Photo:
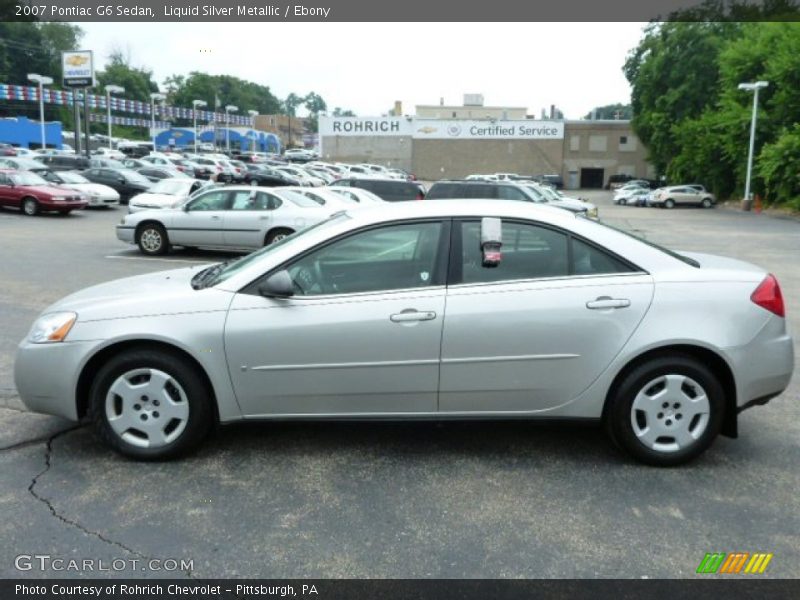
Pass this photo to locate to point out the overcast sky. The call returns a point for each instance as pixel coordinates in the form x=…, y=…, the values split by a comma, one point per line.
x=365, y=67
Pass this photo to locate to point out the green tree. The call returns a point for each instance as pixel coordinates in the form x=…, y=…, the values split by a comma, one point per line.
x=138, y=82
x=779, y=167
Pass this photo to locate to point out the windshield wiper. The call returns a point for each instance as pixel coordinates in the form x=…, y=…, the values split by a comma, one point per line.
x=207, y=275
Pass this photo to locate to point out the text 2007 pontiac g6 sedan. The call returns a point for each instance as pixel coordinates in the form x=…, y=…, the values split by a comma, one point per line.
x=424, y=310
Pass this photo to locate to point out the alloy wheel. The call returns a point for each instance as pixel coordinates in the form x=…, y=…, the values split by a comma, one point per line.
x=151, y=240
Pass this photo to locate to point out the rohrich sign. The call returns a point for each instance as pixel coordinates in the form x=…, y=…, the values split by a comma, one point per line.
x=355, y=126
x=441, y=129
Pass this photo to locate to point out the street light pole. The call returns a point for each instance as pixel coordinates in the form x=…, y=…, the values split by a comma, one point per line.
x=42, y=81
x=253, y=114
x=752, y=87
x=111, y=89
x=196, y=104
x=228, y=110
x=153, y=97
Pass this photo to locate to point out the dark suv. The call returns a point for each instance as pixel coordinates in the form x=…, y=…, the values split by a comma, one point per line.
x=58, y=162
x=391, y=190
x=494, y=190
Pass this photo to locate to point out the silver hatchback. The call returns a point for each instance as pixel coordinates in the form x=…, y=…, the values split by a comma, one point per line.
x=421, y=310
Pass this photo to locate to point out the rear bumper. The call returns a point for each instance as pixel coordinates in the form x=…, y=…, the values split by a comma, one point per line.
x=763, y=368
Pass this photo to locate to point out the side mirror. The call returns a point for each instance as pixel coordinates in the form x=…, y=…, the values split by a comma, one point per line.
x=491, y=241
x=278, y=285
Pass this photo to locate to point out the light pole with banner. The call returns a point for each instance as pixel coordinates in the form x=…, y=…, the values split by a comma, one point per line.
x=751, y=87
x=42, y=81
x=111, y=89
x=153, y=97
x=253, y=114
x=195, y=105
x=228, y=110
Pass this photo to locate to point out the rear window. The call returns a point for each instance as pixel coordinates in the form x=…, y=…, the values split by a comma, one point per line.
x=389, y=190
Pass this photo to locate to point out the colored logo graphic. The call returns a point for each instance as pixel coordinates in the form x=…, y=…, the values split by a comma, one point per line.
x=454, y=130
x=734, y=563
x=427, y=129
x=76, y=60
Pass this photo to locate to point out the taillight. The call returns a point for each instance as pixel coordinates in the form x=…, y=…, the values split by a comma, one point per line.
x=768, y=295
x=420, y=196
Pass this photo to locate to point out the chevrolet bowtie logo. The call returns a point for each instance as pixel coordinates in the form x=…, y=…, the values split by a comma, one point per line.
x=427, y=129
x=76, y=60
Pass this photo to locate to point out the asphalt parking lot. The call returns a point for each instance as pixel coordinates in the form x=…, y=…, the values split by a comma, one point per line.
x=395, y=500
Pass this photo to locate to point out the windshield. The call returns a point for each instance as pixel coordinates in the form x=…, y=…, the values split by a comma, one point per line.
x=68, y=177
x=171, y=187
x=298, y=199
x=133, y=176
x=26, y=163
x=27, y=178
x=224, y=271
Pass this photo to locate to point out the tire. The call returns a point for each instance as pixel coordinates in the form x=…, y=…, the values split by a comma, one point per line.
x=637, y=405
x=669, y=203
x=623, y=201
x=277, y=235
x=162, y=410
x=64, y=212
x=30, y=207
x=707, y=203
x=152, y=239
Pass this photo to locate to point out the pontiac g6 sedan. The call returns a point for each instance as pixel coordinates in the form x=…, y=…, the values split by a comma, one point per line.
x=421, y=310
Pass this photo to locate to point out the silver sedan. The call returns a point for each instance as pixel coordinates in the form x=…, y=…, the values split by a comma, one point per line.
x=236, y=217
x=421, y=310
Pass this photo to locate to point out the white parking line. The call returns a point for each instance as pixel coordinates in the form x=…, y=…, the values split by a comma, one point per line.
x=172, y=260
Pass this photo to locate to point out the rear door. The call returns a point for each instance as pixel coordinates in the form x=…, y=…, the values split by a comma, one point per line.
x=248, y=218
x=537, y=330
x=8, y=194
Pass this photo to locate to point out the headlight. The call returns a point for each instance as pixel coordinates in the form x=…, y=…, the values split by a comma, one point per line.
x=52, y=327
x=592, y=212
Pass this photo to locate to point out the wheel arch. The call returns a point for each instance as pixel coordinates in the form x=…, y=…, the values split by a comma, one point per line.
x=272, y=230
x=711, y=359
x=103, y=355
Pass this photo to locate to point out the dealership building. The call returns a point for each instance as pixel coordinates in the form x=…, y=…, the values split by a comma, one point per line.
x=585, y=153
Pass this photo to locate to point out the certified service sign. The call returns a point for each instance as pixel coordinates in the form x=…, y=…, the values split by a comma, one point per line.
x=78, y=68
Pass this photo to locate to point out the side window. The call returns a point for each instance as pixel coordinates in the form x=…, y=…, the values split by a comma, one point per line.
x=478, y=191
x=388, y=258
x=4, y=179
x=210, y=201
x=588, y=260
x=244, y=200
x=529, y=252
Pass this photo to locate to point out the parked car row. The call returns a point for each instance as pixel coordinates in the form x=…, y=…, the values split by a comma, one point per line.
x=638, y=193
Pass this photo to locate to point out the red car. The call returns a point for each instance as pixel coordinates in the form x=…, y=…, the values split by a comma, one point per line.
x=31, y=194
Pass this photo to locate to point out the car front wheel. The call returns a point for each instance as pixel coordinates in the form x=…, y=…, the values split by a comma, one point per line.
x=30, y=207
x=666, y=411
x=150, y=404
x=153, y=239
x=669, y=203
x=707, y=203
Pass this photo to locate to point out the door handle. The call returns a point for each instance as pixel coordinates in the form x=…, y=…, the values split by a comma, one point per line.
x=604, y=302
x=413, y=315
x=215, y=217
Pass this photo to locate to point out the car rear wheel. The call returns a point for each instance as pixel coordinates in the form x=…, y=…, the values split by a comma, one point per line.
x=623, y=201
x=707, y=203
x=669, y=203
x=30, y=207
x=666, y=411
x=276, y=235
x=64, y=212
x=150, y=404
x=153, y=239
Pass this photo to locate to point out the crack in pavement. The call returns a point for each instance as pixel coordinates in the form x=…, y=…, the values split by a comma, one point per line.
x=32, y=490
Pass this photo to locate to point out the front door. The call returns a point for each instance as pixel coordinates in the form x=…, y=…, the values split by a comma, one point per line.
x=361, y=335
x=537, y=330
x=202, y=223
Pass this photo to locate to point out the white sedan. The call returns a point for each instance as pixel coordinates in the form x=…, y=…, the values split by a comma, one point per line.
x=96, y=194
x=167, y=193
x=326, y=197
x=237, y=217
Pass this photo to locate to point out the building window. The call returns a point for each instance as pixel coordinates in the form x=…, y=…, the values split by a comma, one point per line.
x=454, y=114
x=598, y=143
x=623, y=139
x=575, y=143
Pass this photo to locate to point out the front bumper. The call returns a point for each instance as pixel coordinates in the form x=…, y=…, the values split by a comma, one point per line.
x=46, y=376
x=126, y=233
